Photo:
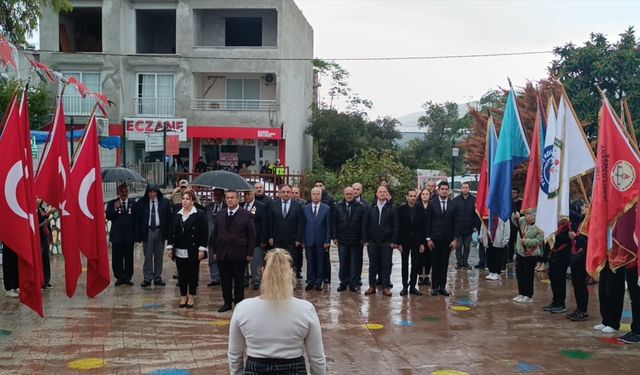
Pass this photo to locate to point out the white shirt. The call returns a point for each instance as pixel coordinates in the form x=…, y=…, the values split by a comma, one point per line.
x=258, y=328
x=184, y=253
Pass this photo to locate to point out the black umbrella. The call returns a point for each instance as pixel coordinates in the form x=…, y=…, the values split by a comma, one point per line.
x=121, y=174
x=222, y=180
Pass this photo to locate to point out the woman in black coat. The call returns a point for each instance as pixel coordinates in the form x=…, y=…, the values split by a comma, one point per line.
x=187, y=246
x=425, y=269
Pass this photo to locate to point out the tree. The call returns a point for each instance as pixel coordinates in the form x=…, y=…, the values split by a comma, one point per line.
x=41, y=101
x=369, y=165
x=443, y=127
x=614, y=67
x=18, y=18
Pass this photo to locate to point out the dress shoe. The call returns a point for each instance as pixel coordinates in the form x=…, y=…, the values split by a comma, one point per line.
x=117, y=283
x=444, y=292
x=256, y=286
x=415, y=291
x=182, y=305
x=434, y=292
x=420, y=280
x=354, y=289
x=309, y=287
x=128, y=282
x=145, y=284
x=213, y=283
x=319, y=288
x=342, y=288
x=386, y=292
x=549, y=307
x=370, y=291
x=427, y=281
x=298, y=275
x=159, y=282
x=224, y=308
x=404, y=292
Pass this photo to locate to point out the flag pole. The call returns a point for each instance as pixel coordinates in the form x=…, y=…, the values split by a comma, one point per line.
x=84, y=134
x=629, y=123
x=583, y=190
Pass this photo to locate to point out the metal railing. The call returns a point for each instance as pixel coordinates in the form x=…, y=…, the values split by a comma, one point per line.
x=233, y=105
x=77, y=106
x=154, y=107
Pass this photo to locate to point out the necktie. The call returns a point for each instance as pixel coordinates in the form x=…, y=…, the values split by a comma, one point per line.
x=444, y=207
x=216, y=208
x=284, y=209
x=153, y=214
x=315, y=211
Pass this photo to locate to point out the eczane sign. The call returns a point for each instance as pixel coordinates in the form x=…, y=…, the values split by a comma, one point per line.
x=138, y=128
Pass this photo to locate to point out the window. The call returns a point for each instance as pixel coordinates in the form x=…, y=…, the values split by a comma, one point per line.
x=243, y=32
x=156, y=94
x=155, y=31
x=74, y=104
x=243, y=93
x=81, y=30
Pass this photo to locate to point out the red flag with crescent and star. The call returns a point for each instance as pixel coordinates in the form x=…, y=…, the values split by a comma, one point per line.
x=19, y=230
x=51, y=185
x=87, y=203
x=615, y=187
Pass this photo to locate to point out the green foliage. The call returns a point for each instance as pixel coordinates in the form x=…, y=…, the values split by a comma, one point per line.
x=41, y=101
x=338, y=136
x=18, y=18
x=369, y=165
x=614, y=67
x=319, y=172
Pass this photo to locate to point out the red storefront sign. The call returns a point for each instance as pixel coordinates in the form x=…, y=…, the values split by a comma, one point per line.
x=173, y=145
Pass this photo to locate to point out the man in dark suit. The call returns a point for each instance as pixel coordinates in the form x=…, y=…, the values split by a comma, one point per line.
x=261, y=196
x=259, y=212
x=357, y=193
x=442, y=237
x=468, y=222
x=121, y=212
x=411, y=241
x=153, y=212
x=232, y=244
x=317, y=238
x=380, y=235
x=212, y=210
x=346, y=231
x=286, y=226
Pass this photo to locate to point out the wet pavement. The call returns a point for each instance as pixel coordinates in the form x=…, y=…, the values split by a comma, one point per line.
x=477, y=330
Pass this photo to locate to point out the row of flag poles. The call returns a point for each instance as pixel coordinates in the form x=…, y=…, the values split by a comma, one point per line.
x=74, y=188
x=558, y=154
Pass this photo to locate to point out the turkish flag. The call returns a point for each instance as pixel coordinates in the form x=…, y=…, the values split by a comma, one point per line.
x=87, y=204
x=51, y=185
x=19, y=230
x=7, y=53
x=615, y=187
x=534, y=169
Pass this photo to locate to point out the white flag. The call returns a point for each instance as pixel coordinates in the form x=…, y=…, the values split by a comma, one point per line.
x=547, y=211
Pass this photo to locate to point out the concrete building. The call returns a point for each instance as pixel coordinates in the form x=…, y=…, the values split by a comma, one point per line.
x=232, y=79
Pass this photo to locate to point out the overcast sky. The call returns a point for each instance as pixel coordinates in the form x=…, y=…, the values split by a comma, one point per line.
x=377, y=28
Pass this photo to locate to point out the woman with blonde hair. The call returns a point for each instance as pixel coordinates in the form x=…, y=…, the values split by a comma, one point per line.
x=275, y=328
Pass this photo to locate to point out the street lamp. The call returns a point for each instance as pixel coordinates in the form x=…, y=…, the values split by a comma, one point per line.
x=455, y=151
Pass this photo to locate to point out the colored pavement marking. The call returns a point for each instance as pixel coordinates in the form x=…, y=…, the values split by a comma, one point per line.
x=465, y=302
x=575, y=354
x=546, y=281
x=86, y=364
x=431, y=318
x=406, y=323
x=449, y=372
x=528, y=367
x=4, y=332
x=612, y=341
x=627, y=315
x=220, y=323
x=152, y=306
x=169, y=371
x=625, y=327
x=372, y=326
x=460, y=308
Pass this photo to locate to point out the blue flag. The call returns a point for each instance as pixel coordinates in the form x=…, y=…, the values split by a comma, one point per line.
x=512, y=151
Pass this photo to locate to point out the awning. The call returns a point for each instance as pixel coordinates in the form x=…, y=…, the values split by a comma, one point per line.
x=226, y=132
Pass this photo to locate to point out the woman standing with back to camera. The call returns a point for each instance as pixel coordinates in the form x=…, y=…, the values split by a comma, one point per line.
x=275, y=345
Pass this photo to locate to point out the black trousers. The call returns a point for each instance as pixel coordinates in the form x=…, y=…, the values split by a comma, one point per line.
x=188, y=275
x=440, y=264
x=327, y=267
x=412, y=250
x=634, y=293
x=122, y=260
x=298, y=258
x=426, y=262
x=558, y=278
x=482, y=255
x=350, y=264
x=611, y=296
x=579, y=282
x=525, y=272
x=232, y=280
x=495, y=258
x=380, y=254
x=10, y=269
x=46, y=261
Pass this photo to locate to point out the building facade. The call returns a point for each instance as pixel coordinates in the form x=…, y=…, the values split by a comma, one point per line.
x=230, y=81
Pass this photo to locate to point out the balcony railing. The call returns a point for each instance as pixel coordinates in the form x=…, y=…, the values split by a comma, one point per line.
x=233, y=105
x=77, y=106
x=155, y=107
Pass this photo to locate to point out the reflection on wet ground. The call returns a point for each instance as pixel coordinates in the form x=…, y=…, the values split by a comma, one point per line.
x=477, y=330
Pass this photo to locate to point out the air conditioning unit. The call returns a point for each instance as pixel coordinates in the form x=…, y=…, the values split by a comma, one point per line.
x=103, y=126
x=270, y=78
